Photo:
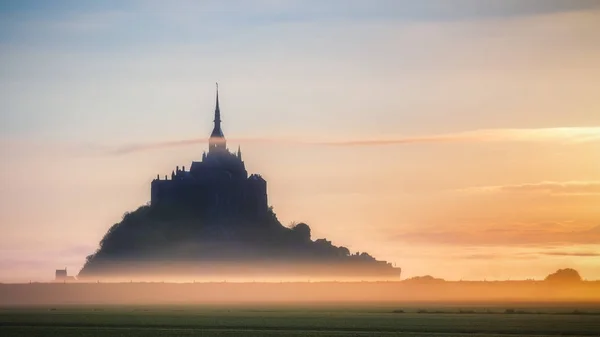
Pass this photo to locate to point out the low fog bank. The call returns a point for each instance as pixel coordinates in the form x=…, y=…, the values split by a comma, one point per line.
x=296, y=292
x=238, y=270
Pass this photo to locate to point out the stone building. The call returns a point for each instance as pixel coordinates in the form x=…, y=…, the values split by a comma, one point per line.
x=218, y=185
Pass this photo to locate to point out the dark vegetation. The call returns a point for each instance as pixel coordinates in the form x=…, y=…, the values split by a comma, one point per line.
x=157, y=235
x=562, y=276
x=427, y=279
x=291, y=321
x=499, y=312
x=566, y=275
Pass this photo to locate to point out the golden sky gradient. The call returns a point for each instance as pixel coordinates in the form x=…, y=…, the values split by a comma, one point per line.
x=462, y=146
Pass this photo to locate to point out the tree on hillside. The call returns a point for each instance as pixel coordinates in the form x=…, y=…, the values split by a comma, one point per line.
x=564, y=275
x=424, y=279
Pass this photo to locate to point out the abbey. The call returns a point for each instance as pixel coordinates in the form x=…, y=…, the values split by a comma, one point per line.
x=217, y=186
x=213, y=220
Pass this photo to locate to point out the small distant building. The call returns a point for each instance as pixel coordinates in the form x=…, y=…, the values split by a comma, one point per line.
x=61, y=276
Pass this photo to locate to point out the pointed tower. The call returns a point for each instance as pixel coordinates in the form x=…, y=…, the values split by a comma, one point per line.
x=216, y=141
x=239, y=153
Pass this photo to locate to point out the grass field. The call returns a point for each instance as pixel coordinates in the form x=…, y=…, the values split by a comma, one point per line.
x=388, y=320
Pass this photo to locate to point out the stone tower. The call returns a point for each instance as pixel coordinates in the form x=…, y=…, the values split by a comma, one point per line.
x=218, y=185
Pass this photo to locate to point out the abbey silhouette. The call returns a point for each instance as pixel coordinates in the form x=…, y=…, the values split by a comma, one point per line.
x=214, y=219
x=217, y=186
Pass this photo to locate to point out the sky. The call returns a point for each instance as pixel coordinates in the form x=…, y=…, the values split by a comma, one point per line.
x=459, y=139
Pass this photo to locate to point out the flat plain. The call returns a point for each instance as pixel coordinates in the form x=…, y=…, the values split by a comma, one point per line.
x=303, y=320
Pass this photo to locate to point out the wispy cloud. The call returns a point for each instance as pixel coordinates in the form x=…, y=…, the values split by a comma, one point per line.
x=27, y=264
x=139, y=147
x=529, y=255
x=567, y=135
x=496, y=256
x=561, y=135
x=565, y=188
x=577, y=254
x=510, y=236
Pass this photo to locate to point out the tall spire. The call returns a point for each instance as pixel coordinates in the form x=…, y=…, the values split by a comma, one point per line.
x=217, y=139
x=217, y=110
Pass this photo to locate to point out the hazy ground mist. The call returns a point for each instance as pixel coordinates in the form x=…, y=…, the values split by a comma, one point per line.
x=295, y=292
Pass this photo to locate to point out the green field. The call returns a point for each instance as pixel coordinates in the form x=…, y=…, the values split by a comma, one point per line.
x=408, y=320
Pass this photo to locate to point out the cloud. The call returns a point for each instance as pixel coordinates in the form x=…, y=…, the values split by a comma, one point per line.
x=483, y=256
x=510, y=236
x=578, y=254
x=569, y=135
x=261, y=11
x=523, y=255
x=566, y=188
x=154, y=146
x=22, y=265
x=560, y=135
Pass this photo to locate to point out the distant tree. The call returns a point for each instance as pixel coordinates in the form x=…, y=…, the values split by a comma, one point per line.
x=564, y=275
x=366, y=257
x=424, y=279
x=344, y=251
x=302, y=230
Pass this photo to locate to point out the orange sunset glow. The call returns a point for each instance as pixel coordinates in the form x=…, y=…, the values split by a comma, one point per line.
x=459, y=144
